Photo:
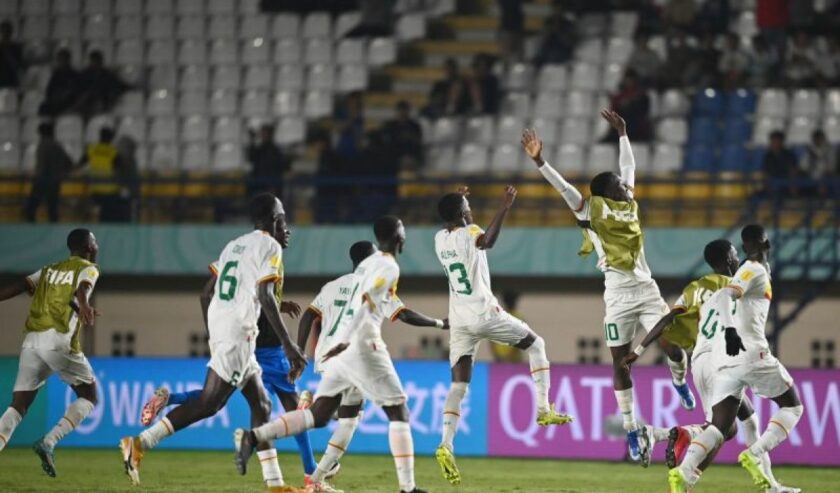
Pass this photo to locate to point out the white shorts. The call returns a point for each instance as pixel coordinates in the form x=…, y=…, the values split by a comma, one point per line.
x=364, y=369
x=503, y=328
x=627, y=309
x=704, y=373
x=234, y=362
x=36, y=365
x=766, y=377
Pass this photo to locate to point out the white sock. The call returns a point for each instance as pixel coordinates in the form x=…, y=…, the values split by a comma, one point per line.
x=76, y=412
x=540, y=372
x=287, y=425
x=660, y=434
x=678, y=369
x=402, y=448
x=625, y=405
x=693, y=430
x=452, y=413
x=336, y=447
x=700, y=447
x=750, y=429
x=152, y=435
x=8, y=422
x=270, y=467
x=777, y=430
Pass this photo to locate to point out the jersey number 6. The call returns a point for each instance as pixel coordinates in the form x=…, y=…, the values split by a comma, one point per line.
x=228, y=276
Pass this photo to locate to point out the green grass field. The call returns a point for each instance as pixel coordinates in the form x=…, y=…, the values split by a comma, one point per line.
x=182, y=472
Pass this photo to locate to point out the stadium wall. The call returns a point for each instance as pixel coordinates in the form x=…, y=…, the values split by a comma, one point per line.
x=497, y=416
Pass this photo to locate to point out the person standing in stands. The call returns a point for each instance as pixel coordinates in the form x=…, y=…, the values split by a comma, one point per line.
x=11, y=57
x=268, y=163
x=62, y=88
x=102, y=159
x=99, y=87
x=779, y=166
x=51, y=165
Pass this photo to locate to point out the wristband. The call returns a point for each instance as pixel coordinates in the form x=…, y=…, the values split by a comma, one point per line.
x=439, y=323
x=639, y=350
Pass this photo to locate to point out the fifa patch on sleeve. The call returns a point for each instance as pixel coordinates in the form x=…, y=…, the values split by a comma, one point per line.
x=379, y=283
x=275, y=261
x=474, y=231
x=747, y=275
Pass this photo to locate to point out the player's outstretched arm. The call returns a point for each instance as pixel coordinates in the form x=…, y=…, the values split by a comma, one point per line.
x=417, y=319
x=488, y=239
x=271, y=309
x=307, y=321
x=626, y=161
x=653, y=335
x=11, y=290
x=533, y=147
x=205, y=299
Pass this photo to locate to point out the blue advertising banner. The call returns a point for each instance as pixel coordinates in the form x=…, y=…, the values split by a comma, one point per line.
x=126, y=384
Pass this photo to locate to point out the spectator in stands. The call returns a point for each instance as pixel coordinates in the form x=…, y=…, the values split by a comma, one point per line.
x=268, y=163
x=11, y=57
x=377, y=19
x=511, y=27
x=779, y=165
x=332, y=196
x=801, y=61
x=830, y=62
x=379, y=161
x=703, y=69
x=713, y=17
x=99, y=87
x=448, y=96
x=405, y=136
x=483, y=87
x=733, y=62
x=771, y=16
x=502, y=353
x=819, y=161
x=681, y=56
x=678, y=15
x=128, y=176
x=801, y=14
x=765, y=63
x=101, y=156
x=558, y=41
x=350, y=126
x=62, y=88
x=633, y=103
x=51, y=166
x=645, y=61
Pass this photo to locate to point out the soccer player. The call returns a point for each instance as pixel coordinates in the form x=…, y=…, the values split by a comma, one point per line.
x=330, y=314
x=611, y=227
x=270, y=356
x=739, y=357
x=60, y=307
x=246, y=286
x=475, y=315
x=359, y=360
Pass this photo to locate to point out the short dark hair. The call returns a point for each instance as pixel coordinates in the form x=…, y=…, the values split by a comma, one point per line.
x=78, y=239
x=403, y=105
x=106, y=134
x=386, y=227
x=752, y=232
x=716, y=251
x=450, y=206
x=598, y=185
x=46, y=129
x=360, y=251
x=777, y=134
x=96, y=55
x=262, y=207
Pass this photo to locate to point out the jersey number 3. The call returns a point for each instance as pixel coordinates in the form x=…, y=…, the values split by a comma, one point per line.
x=459, y=269
x=227, y=281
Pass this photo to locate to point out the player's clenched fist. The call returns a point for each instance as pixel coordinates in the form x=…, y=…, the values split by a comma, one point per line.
x=510, y=196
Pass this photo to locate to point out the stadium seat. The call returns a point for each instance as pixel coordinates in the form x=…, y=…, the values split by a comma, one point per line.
x=806, y=102
x=286, y=103
x=353, y=77
x=29, y=130
x=227, y=157
x=131, y=7
x=473, y=159
x=443, y=159
x=222, y=27
x=224, y=102
x=130, y=52
x=832, y=102
x=552, y=78
x=317, y=104
x=9, y=9
x=192, y=103
x=317, y=25
x=163, y=77
x=253, y=26
x=258, y=77
x=350, y=51
x=569, y=158
x=831, y=127
x=225, y=77
x=223, y=52
x=10, y=158
x=255, y=104
x=507, y=158
x=611, y=77
x=382, y=51
x=97, y=26
x=134, y=127
x=672, y=131
x=763, y=127
x=97, y=123
x=318, y=51
x=161, y=102
x=285, y=26
x=619, y=50
x=623, y=24
x=446, y=130
x=667, y=158
x=160, y=27
x=68, y=128
x=709, y=103
x=161, y=53
x=227, y=130
x=195, y=128
x=600, y=128
x=221, y=7
x=572, y=132
x=585, y=77
x=163, y=157
x=704, y=131
x=516, y=104
x=190, y=51
x=734, y=158
x=345, y=23
x=8, y=102
x=673, y=103
x=479, y=129
x=9, y=129
x=129, y=27
x=163, y=129
x=590, y=50
x=578, y=104
x=737, y=131
x=192, y=27
x=190, y=7
x=256, y=51
x=131, y=103
x=740, y=102
x=509, y=130
x=195, y=157
x=800, y=129
x=519, y=77
x=291, y=130
x=29, y=156
x=602, y=157
x=641, y=154
x=320, y=77
x=700, y=158
x=772, y=103
x=97, y=7
x=547, y=129
x=160, y=8
x=35, y=27
x=289, y=77
x=746, y=25
x=29, y=102
x=548, y=105
x=411, y=26
x=35, y=7
x=194, y=78
x=287, y=51
x=65, y=7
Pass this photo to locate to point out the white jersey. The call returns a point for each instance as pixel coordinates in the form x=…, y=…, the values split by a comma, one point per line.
x=245, y=263
x=377, y=277
x=471, y=298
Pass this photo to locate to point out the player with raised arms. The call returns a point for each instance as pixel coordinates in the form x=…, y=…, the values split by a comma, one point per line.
x=329, y=315
x=611, y=227
x=476, y=315
x=733, y=354
x=246, y=286
x=60, y=307
x=359, y=360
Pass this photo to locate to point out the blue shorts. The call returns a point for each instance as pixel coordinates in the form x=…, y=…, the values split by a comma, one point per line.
x=275, y=370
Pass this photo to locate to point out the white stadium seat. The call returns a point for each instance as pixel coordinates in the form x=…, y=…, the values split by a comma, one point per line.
x=221, y=7
x=129, y=7
x=572, y=132
x=68, y=128
x=192, y=27
x=317, y=104
x=763, y=127
x=190, y=7
x=382, y=51
x=411, y=26
x=160, y=27
x=256, y=51
x=600, y=128
x=29, y=130
x=287, y=51
x=517, y=104
x=227, y=130
x=222, y=27
x=255, y=103
x=8, y=102
x=672, y=131
x=772, y=103
x=258, y=77
x=286, y=103
x=65, y=7
x=579, y=104
x=667, y=158
x=345, y=23
x=192, y=103
x=473, y=159
x=29, y=102
x=805, y=102
x=291, y=130
x=253, y=26
x=832, y=102
x=570, y=158
x=97, y=6
x=446, y=130
x=35, y=27
x=443, y=159
x=35, y=7
x=585, y=77
x=224, y=103
x=163, y=77
x=673, y=103
x=548, y=130
x=9, y=9
x=29, y=157
x=195, y=128
x=161, y=102
x=225, y=77
x=611, y=78
x=352, y=78
x=97, y=123
x=129, y=27
x=590, y=50
x=641, y=154
x=194, y=78
x=318, y=51
x=10, y=158
x=320, y=77
x=509, y=130
x=285, y=26
x=520, y=77
x=195, y=156
x=163, y=129
x=548, y=105
x=163, y=157
x=479, y=129
x=134, y=127
x=800, y=129
x=506, y=158
x=552, y=78
x=623, y=24
x=160, y=8
x=131, y=103
x=9, y=128
x=831, y=127
x=97, y=26
x=602, y=157
x=619, y=50
x=223, y=52
x=317, y=25
x=160, y=52
x=350, y=51
x=289, y=77
x=227, y=157
x=190, y=51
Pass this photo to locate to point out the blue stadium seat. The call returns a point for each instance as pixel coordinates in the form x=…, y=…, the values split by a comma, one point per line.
x=740, y=103
x=735, y=158
x=704, y=132
x=708, y=102
x=755, y=159
x=736, y=131
x=700, y=158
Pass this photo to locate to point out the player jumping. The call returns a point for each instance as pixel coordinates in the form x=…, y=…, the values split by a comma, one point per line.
x=733, y=354
x=475, y=315
x=611, y=227
x=329, y=315
x=60, y=307
x=359, y=361
x=246, y=286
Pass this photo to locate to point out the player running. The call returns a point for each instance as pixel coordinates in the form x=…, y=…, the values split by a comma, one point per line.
x=246, y=286
x=329, y=315
x=270, y=356
x=359, y=360
x=475, y=315
x=60, y=307
x=732, y=352
x=611, y=227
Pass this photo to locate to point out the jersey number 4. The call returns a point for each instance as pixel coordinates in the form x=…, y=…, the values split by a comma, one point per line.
x=459, y=269
x=227, y=281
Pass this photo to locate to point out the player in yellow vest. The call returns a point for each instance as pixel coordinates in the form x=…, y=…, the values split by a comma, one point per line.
x=102, y=159
x=60, y=306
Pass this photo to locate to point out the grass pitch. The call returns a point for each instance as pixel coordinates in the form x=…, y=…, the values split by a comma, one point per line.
x=184, y=472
